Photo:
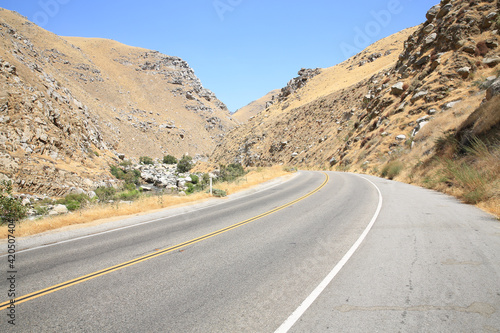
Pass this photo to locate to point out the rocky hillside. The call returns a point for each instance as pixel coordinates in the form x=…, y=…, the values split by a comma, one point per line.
x=373, y=107
x=69, y=107
x=252, y=109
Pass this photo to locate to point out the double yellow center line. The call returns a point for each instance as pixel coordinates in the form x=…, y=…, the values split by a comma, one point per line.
x=105, y=271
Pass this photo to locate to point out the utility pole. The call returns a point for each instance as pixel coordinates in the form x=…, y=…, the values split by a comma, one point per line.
x=210, y=185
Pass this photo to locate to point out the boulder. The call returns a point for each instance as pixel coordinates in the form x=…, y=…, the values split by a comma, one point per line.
x=491, y=61
x=397, y=89
x=58, y=210
x=76, y=190
x=489, y=81
x=435, y=63
x=493, y=90
x=401, y=107
x=148, y=177
x=419, y=95
x=471, y=49
x=368, y=97
x=422, y=61
x=464, y=72
x=146, y=188
x=432, y=13
x=401, y=137
x=430, y=38
x=422, y=119
x=428, y=29
x=450, y=105
x=181, y=183
x=444, y=11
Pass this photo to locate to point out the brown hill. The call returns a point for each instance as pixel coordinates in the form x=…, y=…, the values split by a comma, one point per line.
x=396, y=102
x=252, y=109
x=296, y=121
x=70, y=106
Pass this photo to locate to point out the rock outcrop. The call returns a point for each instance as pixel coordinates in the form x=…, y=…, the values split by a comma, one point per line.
x=305, y=74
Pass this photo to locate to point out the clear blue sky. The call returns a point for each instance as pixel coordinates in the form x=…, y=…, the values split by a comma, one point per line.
x=240, y=49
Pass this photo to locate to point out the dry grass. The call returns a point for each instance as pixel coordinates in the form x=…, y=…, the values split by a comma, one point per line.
x=466, y=161
x=252, y=109
x=107, y=213
x=254, y=177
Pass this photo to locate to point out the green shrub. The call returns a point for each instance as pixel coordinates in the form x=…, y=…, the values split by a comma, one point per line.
x=117, y=172
x=219, y=193
x=146, y=160
x=129, y=187
x=105, y=193
x=41, y=210
x=191, y=188
x=126, y=163
x=129, y=195
x=185, y=164
x=74, y=201
x=129, y=176
x=169, y=159
x=392, y=169
x=73, y=205
x=231, y=172
x=195, y=179
x=203, y=182
x=11, y=209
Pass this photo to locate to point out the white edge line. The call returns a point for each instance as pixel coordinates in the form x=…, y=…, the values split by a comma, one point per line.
x=295, y=316
x=141, y=223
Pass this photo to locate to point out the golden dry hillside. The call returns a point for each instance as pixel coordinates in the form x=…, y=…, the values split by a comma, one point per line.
x=255, y=107
x=400, y=109
x=309, y=107
x=69, y=107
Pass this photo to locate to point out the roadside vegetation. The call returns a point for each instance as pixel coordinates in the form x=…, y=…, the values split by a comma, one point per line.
x=11, y=209
x=111, y=204
x=465, y=161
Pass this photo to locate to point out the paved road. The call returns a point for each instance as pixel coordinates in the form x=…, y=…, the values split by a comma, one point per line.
x=428, y=264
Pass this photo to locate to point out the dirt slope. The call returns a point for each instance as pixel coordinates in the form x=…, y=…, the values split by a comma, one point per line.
x=242, y=115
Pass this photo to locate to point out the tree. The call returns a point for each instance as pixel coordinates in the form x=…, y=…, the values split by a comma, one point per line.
x=231, y=172
x=185, y=164
x=169, y=159
x=146, y=160
x=11, y=209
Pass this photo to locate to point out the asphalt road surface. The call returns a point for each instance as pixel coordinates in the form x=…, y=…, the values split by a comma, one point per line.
x=322, y=252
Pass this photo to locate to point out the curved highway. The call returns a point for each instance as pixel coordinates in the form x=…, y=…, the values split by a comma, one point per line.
x=322, y=252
